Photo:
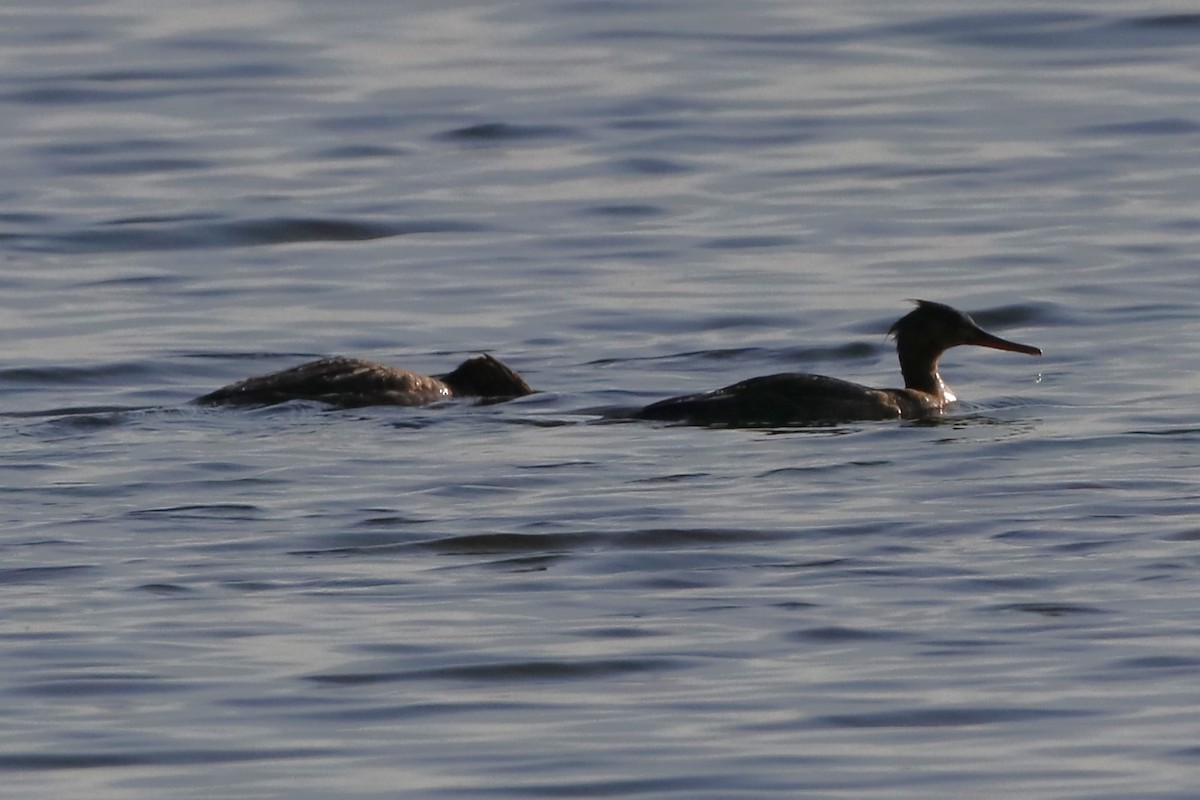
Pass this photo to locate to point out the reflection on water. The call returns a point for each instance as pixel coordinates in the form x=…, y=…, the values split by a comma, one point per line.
x=539, y=598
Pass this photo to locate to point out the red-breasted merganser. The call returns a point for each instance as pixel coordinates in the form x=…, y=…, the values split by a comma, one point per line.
x=792, y=397
x=353, y=383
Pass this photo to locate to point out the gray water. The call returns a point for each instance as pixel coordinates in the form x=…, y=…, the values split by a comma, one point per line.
x=624, y=201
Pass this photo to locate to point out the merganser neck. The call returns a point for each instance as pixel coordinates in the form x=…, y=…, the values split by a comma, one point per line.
x=919, y=366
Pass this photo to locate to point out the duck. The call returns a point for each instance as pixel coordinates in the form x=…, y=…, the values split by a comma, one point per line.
x=921, y=337
x=344, y=382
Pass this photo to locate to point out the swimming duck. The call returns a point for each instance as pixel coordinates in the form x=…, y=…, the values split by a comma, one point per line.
x=792, y=397
x=353, y=383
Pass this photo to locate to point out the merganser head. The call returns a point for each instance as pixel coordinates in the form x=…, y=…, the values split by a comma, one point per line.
x=932, y=328
x=487, y=377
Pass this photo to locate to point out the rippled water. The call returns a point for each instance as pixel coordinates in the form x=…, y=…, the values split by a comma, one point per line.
x=624, y=201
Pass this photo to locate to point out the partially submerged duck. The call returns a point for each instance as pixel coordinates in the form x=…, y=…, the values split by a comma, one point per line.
x=353, y=383
x=792, y=397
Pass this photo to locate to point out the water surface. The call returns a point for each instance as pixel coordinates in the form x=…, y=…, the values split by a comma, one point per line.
x=624, y=201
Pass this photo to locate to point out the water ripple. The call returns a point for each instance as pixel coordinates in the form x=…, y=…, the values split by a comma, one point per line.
x=946, y=717
x=144, y=234
x=538, y=671
x=176, y=756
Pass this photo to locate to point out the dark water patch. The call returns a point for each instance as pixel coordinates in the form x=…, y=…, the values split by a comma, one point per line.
x=851, y=351
x=922, y=172
x=158, y=281
x=24, y=219
x=600, y=7
x=1157, y=664
x=993, y=22
x=650, y=166
x=1050, y=609
x=1181, y=224
x=392, y=521
x=676, y=538
x=104, y=147
x=678, y=477
x=1084, y=547
x=33, y=575
x=718, y=354
x=141, y=236
x=361, y=151
x=159, y=219
x=953, y=647
x=412, y=711
x=1189, y=23
x=601, y=249
x=70, y=95
x=65, y=760
x=748, y=138
x=360, y=544
x=750, y=242
x=1016, y=258
x=717, y=322
x=846, y=565
x=52, y=637
x=1048, y=34
x=677, y=108
x=503, y=132
x=110, y=86
x=507, y=672
x=546, y=422
x=254, y=586
x=1042, y=32
x=543, y=548
x=69, y=422
x=493, y=543
x=982, y=585
x=785, y=39
x=136, y=166
x=1015, y=315
x=618, y=632
x=648, y=124
x=692, y=784
x=1165, y=126
x=555, y=465
x=802, y=605
x=243, y=40
x=293, y=230
x=163, y=589
x=208, y=72
x=946, y=717
x=238, y=355
x=833, y=634
x=808, y=471
x=596, y=247
x=1149, y=249
x=240, y=512
x=522, y=563
x=361, y=123
x=76, y=376
x=630, y=210
x=886, y=171
x=104, y=685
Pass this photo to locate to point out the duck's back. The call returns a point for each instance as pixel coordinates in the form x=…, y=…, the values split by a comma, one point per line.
x=342, y=382
x=783, y=399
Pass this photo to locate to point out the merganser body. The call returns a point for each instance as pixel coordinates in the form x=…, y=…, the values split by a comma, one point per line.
x=353, y=383
x=922, y=336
